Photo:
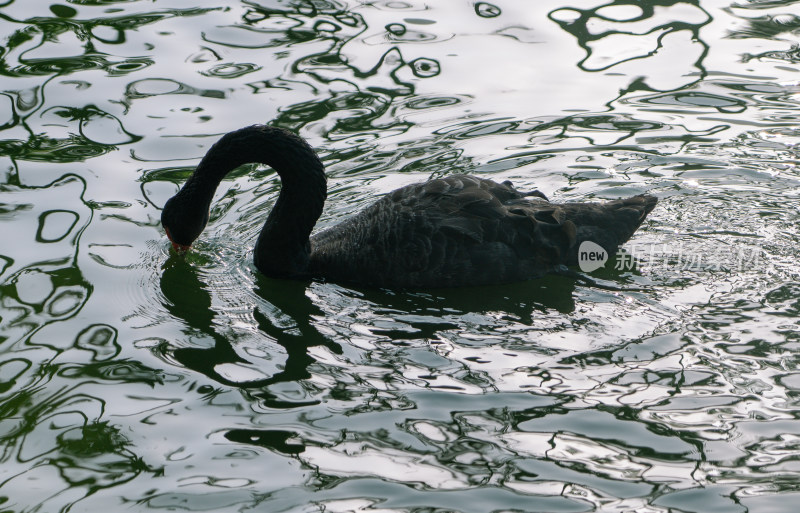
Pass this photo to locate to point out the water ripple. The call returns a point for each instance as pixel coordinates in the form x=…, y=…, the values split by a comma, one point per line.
x=130, y=374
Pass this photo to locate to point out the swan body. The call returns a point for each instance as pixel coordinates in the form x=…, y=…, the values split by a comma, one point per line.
x=448, y=232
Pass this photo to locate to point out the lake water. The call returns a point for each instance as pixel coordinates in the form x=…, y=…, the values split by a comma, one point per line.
x=133, y=380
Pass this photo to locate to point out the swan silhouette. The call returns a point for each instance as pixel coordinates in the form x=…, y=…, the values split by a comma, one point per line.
x=448, y=232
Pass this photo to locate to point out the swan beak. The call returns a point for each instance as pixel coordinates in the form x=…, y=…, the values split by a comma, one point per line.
x=180, y=249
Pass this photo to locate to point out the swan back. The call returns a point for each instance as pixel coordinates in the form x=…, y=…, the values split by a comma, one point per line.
x=464, y=230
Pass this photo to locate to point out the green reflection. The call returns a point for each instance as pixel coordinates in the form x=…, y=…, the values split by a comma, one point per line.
x=42, y=148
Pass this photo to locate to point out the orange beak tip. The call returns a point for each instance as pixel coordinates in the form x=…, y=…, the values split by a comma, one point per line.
x=180, y=249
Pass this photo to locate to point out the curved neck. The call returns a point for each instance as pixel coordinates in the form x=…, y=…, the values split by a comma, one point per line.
x=282, y=248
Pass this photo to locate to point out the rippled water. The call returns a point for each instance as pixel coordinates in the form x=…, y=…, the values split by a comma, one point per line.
x=135, y=381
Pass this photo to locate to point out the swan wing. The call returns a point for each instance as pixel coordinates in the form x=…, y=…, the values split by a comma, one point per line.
x=453, y=231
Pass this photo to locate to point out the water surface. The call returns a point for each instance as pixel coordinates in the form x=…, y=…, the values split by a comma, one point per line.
x=132, y=380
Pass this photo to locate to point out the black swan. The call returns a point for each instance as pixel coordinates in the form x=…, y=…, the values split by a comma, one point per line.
x=448, y=232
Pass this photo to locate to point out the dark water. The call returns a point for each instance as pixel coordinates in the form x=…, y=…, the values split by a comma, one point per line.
x=135, y=381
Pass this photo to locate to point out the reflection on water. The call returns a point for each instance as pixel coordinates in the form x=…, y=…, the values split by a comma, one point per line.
x=130, y=377
x=189, y=300
x=621, y=34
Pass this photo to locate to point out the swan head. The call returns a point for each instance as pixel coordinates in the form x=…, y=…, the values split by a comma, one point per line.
x=181, y=225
